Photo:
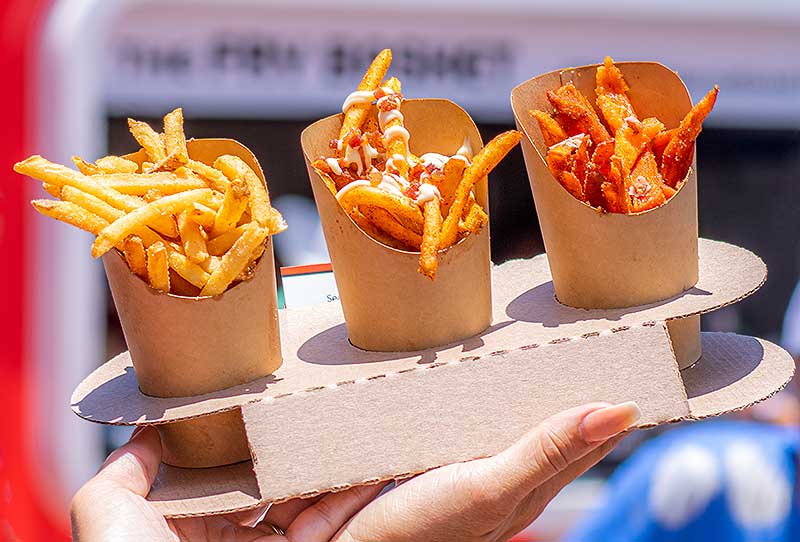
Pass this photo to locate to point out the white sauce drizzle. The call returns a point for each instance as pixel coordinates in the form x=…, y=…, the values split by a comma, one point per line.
x=357, y=97
x=352, y=156
x=465, y=150
x=438, y=160
x=349, y=186
x=427, y=192
x=333, y=163
x=393, y=183
x=370, y=153
x=385, y=117
x=396, y=131
x=574, y=141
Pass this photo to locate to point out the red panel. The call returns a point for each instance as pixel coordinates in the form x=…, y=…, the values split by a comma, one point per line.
x=22, y=515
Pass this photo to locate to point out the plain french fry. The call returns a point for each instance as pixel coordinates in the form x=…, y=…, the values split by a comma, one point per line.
x=235, y=260
x=180, y=286
x=174, y=138
x=192, y=238
x=387, y=223
x=679, y=152
x=214, y=177
x=116, y=164
x=149, y=139
x=552, y=132
x=85, y=167
x=139, y=184
x=482, y=164
x=222, y=243
x=429, y=248
x=52, y=189
x=158, y=267
x=258, y=202
x=234, y=204
x=91, y=203
x=211, y=264
x=145, y=216
x=203, y=215
x=356, y=114
x=134, y=252
x=70, y=213
x=404, y=209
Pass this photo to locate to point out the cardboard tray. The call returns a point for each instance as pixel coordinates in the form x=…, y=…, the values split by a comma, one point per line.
x=477, y=396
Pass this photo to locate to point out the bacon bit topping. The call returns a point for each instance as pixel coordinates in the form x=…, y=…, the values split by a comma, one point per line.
x=334, y=144
x=412, y=191
x=379, y=93
x=354, y=141
x=430, y=168
x=416, y=172
x=389, y=102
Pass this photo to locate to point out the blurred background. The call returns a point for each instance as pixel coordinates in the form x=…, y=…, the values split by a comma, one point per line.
x=260, y=72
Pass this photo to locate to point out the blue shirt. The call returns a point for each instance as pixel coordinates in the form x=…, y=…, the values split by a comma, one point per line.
x=729, y=481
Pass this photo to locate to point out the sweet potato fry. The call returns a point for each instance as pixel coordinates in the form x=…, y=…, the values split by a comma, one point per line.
x=569, y=181
x=432, y=230
x=660, y=142
x=643, y=185
x=612, y=95
x=356, y=114
x=149, y=139
x=192, y=238
x=632, y=139
x=679, y=152
x=233, y=206
x=573, y=105
x=235, y=260
x=580, y=162
x=601, y=158
x=134, y=252
x=144, y=216
x=561, y=156
x=484, y=162
x=157, y=267
x=552, y=132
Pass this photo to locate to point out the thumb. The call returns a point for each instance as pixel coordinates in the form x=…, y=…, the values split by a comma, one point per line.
x=558, y=442
x=133, y=467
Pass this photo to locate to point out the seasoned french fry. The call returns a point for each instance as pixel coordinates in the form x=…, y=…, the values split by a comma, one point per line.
x=660, y=142
x=572, y=105
x=644, y=185
x=452, y=173
x=258, y=202
x=134, y=252
x=679, y=152
x=139, y=184
x=552, y=132
x=70, y=213
x=192, y=239
x=234, y=204
x=476, y=219
x=149, y=139
x=145, y=216
x=116, y=164
x=612, y=95
x=157, y=267
x=203, y=215
x=482, y=164
x=387, y=223
x=355, y=115
x=235, y=260
x=429, y=248
x=632, y=139
x=85, y=167
x=378, y=234
x=174, y=138
x=214, y=177
x=396, y=134
x=404, y=209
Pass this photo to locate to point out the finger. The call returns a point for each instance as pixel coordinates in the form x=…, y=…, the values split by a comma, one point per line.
x=535, y=503
x=220, y=528
x=321, y=521
x=285, y=513
x=247, y=518
x=133, y=466
x=557, y=443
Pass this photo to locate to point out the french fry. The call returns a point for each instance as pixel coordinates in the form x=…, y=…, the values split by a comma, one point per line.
x=234, y=204
x=429, y=248
x=573, y=185
x=378, y=234
x=85, y=167
x=220, y=244
x=258, y=202
x=356, y=114
x=203, y=215
x=632, y=139
x=145, y=216
x=134, y=252
x=485, y=161
x=552, y=132
x=214, y=177
x=452, y=173
x=679, y=152
x=116, y=164
x=612, y=95
x=404, y=209
x=149, y=139
x=174, y=138
x=91, y=203
x=52, y=189
x=397, y=142
x=157, y=267
x=192, y=238
x=660, y=142
x=180, y=286
x=573, y=105
x=387, y=223
x=70, y=213
x=211, y=264
x=644, y=185
x=476, y=219
x=235, y=260
x=139, y=184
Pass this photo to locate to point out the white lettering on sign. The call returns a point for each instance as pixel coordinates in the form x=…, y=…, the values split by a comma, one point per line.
x=308, y=285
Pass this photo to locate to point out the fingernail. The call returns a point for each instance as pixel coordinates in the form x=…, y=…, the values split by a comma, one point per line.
x=600, y=425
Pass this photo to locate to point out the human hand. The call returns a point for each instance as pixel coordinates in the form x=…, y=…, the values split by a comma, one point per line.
x=490, y=500
x=112, y=507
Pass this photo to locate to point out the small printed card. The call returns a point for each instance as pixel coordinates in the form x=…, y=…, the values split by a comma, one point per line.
x=308, y=285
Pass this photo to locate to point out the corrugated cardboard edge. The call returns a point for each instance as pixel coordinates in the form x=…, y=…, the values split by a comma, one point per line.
x=720, y=255
x=591, y=253
x=388, y=305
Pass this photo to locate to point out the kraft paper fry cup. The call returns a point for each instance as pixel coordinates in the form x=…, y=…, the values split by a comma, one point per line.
x=186, y=346
x=387, y=304
x=609, y=260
